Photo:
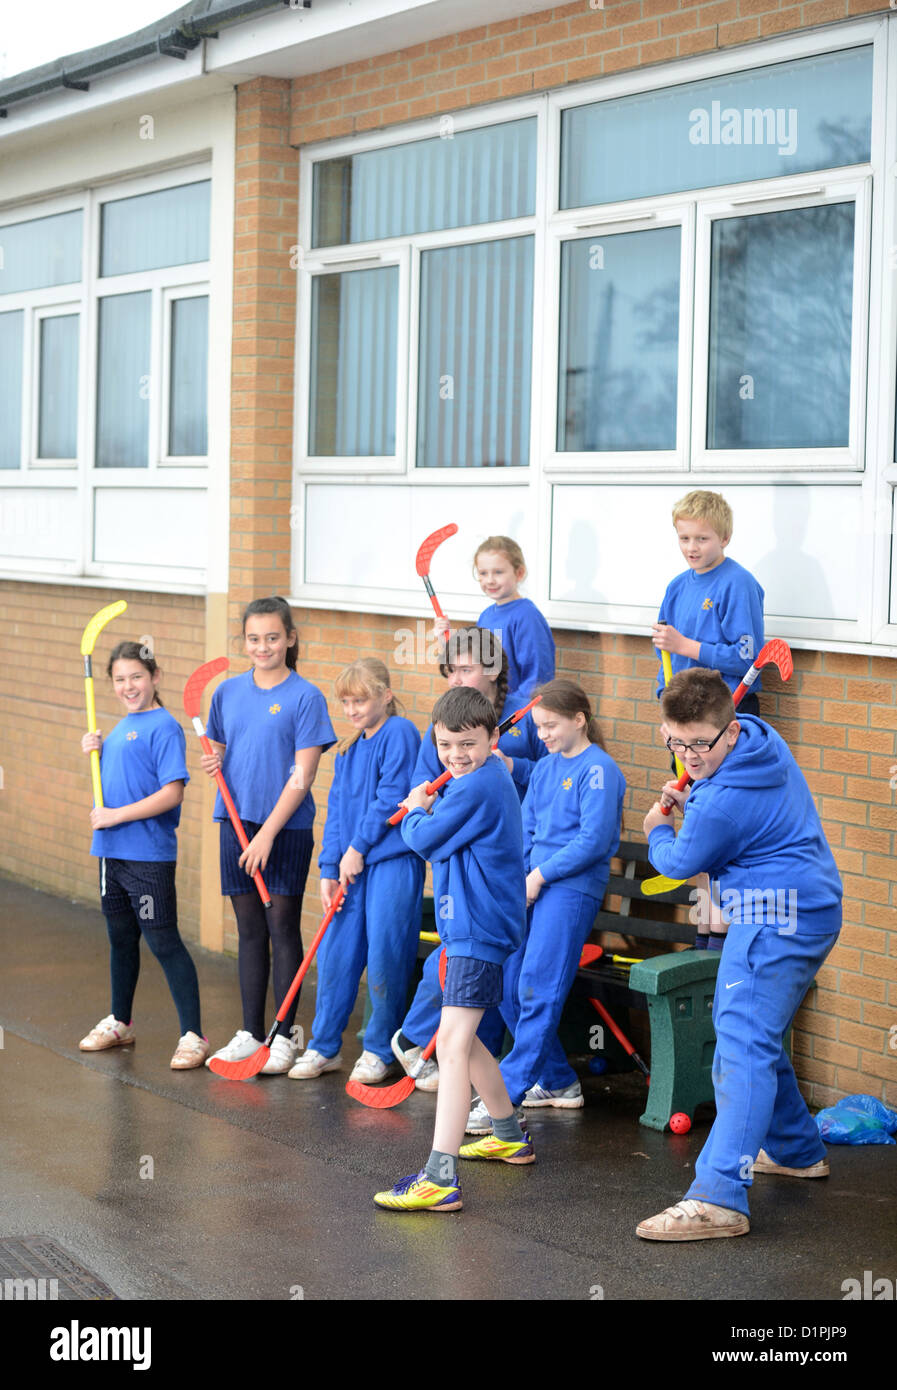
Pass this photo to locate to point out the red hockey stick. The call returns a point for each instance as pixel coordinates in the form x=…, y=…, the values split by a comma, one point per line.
x=248, y=1067
x=774, y=653
x=192, y=702
x=433, y=787
x=425, y=555
x=386, y=1097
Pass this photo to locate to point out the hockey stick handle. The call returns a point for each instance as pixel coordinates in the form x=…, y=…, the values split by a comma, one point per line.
x=433, y=787
x=433, y=599
x=738, y=694
x=90, y=701
x=231, y=810
x=620, y=1037
x=306, y=962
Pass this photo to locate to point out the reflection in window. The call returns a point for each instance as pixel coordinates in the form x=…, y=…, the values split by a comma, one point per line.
x=45, y=251
x=781, y=299
x=352, y=395
x=123, y=381
x=619, y=339
x=476, y=326
x=57, y=426
x=11, y=389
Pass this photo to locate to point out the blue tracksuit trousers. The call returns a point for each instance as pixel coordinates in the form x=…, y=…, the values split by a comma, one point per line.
x=378, y=927
x=764, y=974
x=538, y=978
x=422, y=1018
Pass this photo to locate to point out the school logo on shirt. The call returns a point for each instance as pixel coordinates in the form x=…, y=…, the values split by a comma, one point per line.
x=515, y=733
x=131, y=735
x=567, y=783
x=708, y=603
x=274, y=709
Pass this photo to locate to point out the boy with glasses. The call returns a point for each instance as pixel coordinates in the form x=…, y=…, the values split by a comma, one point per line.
x=750, y=823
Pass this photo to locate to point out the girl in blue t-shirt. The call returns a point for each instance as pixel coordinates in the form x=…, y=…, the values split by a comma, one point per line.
x=143, y=772
x=268, y=729
x=571, y=829
x=379, y=924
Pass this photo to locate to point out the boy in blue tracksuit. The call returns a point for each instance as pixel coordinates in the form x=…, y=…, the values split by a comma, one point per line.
x=378, y=926
x=473, y=657
x=750, y=823
x=571, y=829
x=712, y=615
x=473, y=837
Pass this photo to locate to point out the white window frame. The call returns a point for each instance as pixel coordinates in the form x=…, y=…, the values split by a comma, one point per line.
x=169, y=296
x=31, y=430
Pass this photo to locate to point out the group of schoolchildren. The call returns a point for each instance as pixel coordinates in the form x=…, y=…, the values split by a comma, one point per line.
x=519, y=841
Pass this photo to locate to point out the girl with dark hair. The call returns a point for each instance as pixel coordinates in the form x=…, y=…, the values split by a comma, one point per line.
x=268, y=728
x=143, y=770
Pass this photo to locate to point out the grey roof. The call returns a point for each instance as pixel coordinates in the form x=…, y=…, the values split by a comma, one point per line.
x=170, y=37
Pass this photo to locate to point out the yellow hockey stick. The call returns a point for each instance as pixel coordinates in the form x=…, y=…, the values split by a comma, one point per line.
x=88, y=642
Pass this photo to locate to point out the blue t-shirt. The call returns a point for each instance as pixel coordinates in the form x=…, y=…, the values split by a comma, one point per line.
x=473, y=837
x=526, y=638
x=753, y=827
x=262, y=730
x=723, y=610
x=571, y=819
x=521, y=744
x=143, y=753
x=369, y=780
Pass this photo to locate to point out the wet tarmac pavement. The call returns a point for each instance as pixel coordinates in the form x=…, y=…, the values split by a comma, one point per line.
x=262, y=1190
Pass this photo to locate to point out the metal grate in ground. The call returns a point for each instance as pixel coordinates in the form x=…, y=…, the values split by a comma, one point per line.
x=35, y=1268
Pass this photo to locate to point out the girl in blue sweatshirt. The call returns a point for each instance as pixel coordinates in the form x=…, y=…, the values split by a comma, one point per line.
x=472, y=835
x=379, y=924
x=473, y=658
x=749, y=821
x=526, y=637
x=135, y=839
x=571, y=828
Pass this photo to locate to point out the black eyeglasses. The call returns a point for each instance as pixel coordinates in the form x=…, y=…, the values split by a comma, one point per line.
x=700, y=745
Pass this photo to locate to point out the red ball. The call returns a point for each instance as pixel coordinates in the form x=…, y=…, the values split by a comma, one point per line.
x=680, y=1123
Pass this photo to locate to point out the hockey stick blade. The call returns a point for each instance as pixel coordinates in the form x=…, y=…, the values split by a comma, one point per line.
x=198, y=682
x=386, y=1097
x=425, y=553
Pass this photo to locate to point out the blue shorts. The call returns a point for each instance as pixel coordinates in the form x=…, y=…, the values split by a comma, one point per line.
x=471, y=983
x=285, y=872
x=145, y=888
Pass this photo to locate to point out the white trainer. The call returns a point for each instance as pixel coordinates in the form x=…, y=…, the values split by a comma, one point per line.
x=428, y=1080
x=283, y=1054
x=241, y=1045
x=570, y=1098
x=313, y=1063
x=369, y=1069
x=109, y=1032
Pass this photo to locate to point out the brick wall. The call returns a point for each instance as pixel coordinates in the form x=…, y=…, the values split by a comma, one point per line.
x=571, y=43
x=838, y=716
x=46, y=798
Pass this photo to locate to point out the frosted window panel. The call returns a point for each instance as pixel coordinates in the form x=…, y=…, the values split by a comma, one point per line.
x=151, y=527
x=170, y=227
x=11, y=389
x=58, y=410
x=619, y=342
x=188, y=379
x=781, y=302
x=40, y=524
x=814, y=113
x=459, y=180
x=352, y=398
x=45, y=251
x=123, y=381
x=476, y=328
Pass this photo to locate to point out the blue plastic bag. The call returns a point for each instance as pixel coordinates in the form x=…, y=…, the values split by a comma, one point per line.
x=857, y=1120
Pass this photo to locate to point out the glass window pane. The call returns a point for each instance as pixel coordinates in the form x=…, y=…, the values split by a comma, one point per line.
x=170, y=227
x=354, y=322
x=781, y=300
x=123, y=381
x=476, y=329
x=619, y=341
x=188, y=378
x=11, y=389
x=428, y=185
x=815, y=113
x=45, y=251
x=57, y=431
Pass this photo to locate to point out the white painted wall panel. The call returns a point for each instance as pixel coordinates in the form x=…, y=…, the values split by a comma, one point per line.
x=151, y=526
x=39, y=523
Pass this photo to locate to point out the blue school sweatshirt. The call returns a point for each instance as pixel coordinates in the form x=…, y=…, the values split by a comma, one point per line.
x=754, y=827
x=571, y=819
x=526, y=638
x=723, y=610
x=521, y=744
x=369, y=780
x=473, y=837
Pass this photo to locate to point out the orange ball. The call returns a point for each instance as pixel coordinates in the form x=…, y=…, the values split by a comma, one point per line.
x=680, y=1123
